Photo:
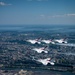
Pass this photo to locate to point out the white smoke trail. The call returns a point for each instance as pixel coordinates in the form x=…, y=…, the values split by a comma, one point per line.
x=68, y=44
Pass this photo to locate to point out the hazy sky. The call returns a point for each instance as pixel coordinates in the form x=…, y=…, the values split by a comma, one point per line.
x=37, y=12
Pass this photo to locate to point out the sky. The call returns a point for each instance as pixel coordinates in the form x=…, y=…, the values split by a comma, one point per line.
x=37, y=12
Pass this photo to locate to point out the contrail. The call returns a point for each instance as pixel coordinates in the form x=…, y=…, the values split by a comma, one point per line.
x=68, y=44
x=69, y=53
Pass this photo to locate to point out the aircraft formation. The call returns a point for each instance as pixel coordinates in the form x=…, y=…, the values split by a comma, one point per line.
x=45, y=49
x=54, y=41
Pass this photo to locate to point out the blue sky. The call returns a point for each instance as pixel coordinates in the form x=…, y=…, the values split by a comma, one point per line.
x=37, y=12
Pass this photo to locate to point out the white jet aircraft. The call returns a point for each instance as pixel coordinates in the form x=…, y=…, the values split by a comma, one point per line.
x=48, y=41
x=34, y=41
x=60, y=41
x=40, y=50
x=45, y=61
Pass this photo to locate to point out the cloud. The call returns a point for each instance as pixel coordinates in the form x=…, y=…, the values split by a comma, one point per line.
x=70, y=14
x=42, y=15
x=4, y=4
x=63, y=15
x=57, y=16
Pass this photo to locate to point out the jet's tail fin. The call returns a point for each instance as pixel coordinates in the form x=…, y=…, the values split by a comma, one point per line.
x=46, y=47
x=38, y=39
